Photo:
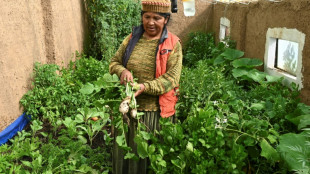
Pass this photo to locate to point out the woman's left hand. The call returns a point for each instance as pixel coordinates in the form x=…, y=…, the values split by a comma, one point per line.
x=140, y=91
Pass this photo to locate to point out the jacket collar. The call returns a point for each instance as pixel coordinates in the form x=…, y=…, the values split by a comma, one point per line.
x=164, y=35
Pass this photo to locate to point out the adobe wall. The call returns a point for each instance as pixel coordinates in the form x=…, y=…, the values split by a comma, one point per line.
x=31, y=31
x=181, y=25
x=249, y=25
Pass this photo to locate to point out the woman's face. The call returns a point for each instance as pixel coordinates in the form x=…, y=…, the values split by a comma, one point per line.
x=153, y=24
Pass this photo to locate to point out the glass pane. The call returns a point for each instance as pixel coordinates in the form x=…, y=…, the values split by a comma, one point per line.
x=222, y=32
x=287, y=56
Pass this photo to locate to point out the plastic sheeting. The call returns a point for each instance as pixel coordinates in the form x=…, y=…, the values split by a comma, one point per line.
x=13, y=128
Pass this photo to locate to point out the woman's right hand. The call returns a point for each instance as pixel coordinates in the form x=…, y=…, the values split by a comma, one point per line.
x=140, y=91
x=126, y=76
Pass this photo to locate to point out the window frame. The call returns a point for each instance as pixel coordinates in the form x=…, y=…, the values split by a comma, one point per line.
x=226, y=23
x=292, y=35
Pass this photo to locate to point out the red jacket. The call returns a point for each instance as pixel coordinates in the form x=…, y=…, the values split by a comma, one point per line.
x=168, y=100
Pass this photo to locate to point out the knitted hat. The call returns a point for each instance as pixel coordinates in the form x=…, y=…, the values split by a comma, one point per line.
x=161, y=6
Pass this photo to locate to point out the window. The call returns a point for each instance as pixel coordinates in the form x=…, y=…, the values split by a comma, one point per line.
x=286, y=57
x=283, y=56
x=224, y=28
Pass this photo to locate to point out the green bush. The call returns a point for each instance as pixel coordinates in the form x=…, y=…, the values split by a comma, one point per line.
x=110, y=21
x=199, y=46
x=62, y=137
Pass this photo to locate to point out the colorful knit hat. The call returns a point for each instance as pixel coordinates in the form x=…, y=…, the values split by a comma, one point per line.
x=160, y=6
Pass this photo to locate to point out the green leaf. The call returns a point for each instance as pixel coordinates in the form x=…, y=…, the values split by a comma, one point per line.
x=44, y=134
x=179, y=163
x=190, y=147
x=301, y=121
x=203, y=142
x=253, y=74
x=249, y=141
x=120, y=140
x=269, y=152
x=39, y=160
x=36, y=125
x=89, y=112
x=272, y=139
x=97, y=126
x=145, y=135
x=246, y=63
x=110, y=78
x=274, y=132
x=129, y=155
x=234, y=116
x=27, y=163
x=87, y=89
x=97, y=86
x=239, y=72
x=106, y=80
x=141, y=147
x=82, y=139
x=115, y=78
x=83, y=128
x=218, y=60
x=304, y=108
x=258, y=106
x=68, y=122
x=162, y=163
x=84, y=168
x=272, y=79
x=263, y=133
x=232, y=54
x=294, y=149
x=37, y=163
x=151, y=149
x=79, y=118
x=256, y=75
x=48, y=172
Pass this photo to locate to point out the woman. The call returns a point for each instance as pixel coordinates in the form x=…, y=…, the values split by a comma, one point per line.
x=154, y=56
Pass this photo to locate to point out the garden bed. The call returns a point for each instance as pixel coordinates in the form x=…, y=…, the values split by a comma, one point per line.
x=231, y=119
